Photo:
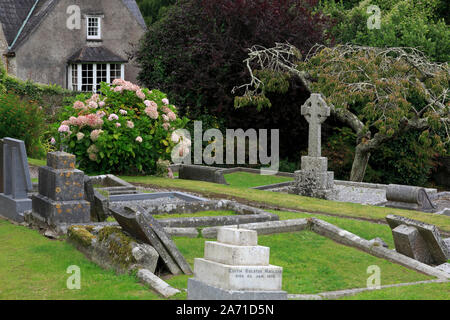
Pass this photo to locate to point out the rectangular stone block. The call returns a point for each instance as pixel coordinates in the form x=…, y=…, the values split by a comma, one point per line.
x=238, y=237
x=238, y=277
x=237, y=255
x=61, y=160
x=14, y=209
x=429, y=233
x=61, y=185
x=197, y=290
x=409, y=242
x=319, y=164
x=312, y=180
x=56, y=212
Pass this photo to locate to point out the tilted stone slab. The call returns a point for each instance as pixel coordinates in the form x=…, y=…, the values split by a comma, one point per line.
x=339, y=235
x=409, y=242
x=429, y=233
x=143, y=226
x=132, y=224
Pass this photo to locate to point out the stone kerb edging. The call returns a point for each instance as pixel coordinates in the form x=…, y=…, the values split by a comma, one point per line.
x=339, y=235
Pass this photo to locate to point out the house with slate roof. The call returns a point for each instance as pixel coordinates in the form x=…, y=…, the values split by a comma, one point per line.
x=76, y=44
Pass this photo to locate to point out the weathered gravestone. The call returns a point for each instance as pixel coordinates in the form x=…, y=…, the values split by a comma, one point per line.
x=201, y=173
x=314, y=179
x=142, y=226
x=408, y=197
x=235, y=268
x=418, y=240
x=61, y=191
x=16, y=180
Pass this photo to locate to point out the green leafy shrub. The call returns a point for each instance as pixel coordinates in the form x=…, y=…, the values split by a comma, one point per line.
x=405, y=23
x=125, y=129
x=22, y=119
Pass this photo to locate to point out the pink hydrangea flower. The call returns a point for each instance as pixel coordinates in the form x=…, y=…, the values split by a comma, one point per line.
x=166, y=126
x=80, y=135
x=119, y=89
x=139, y=139
x=165, y=117
x=95, y=134
x=93, y=105
x=79, y=105
x=101, y=114
x=165, y=101
x=172, y=116
x=151, y=112
x=101, y=104
x=140, y=94
x=118, y=124
x=123, y=112
x=130, y=124
x=113, y=117
x=52, y=140
x=63, y=128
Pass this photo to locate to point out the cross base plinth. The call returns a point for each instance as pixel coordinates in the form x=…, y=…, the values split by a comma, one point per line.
x=314, y=180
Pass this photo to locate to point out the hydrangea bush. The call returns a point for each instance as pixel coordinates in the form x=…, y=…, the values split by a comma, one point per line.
x=125, y=129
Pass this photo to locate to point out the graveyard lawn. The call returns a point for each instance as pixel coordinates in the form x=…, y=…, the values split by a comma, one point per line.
x=34, y=267
x=250, y=180
x=282, y=201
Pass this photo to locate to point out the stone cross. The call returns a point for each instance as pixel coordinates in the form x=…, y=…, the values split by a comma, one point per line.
x=316, y=112
x=16, y=175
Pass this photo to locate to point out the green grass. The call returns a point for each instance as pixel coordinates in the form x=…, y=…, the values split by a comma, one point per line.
x=34, y=267
x=250, y=180
x=313, y=264
x=37, y=162
x=290, y=201
x=426, y=291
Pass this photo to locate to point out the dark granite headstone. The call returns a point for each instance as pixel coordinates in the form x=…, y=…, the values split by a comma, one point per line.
x=201, y=173
x=16, y=180
x=142, y=226
x=431, y=236
x=61, y=191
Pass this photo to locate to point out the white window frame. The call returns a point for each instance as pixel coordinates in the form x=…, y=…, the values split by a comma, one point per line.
x=99, y=28
x=79, y=66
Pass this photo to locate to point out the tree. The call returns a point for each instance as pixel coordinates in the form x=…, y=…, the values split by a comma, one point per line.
x=404, y=23
x=379, y=93
x=152, y=10
x=195, y=52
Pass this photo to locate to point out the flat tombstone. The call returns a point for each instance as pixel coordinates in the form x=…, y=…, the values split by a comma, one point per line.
x=16, y=174
x=430, y=234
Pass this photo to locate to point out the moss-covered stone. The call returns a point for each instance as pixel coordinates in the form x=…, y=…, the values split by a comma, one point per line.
x=81, y=235
x=119, y=245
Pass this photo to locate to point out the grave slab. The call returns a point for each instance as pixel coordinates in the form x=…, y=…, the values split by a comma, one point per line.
x=409, y=242
x=430, y=234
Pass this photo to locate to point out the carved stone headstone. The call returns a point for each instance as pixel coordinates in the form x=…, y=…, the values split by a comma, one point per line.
x=61, y=191
x=314, y=179
x=418, y=240
x=16, y=180
x=235, y=268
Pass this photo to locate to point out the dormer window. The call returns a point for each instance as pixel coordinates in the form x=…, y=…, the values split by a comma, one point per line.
x=94, y=27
